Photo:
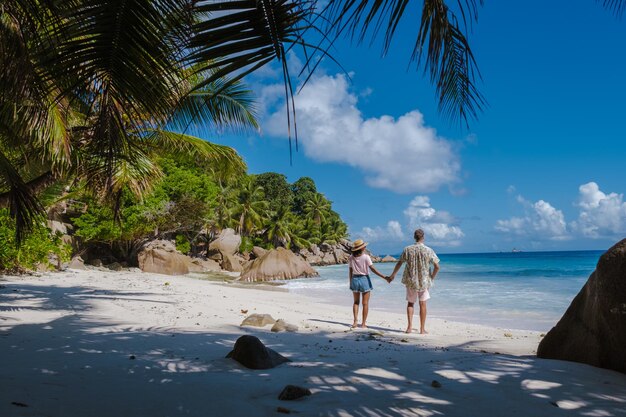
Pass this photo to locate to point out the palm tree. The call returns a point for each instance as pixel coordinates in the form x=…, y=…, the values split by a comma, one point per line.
x=90, y=88
x=251, y=208
x=224, y=204
x=317, y=208
x=279, y=227
x=334, y=229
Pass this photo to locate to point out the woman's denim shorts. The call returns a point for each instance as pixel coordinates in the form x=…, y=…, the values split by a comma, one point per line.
x=361, y=283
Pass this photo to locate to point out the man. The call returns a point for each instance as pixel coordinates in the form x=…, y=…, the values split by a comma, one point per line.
x=417, y=277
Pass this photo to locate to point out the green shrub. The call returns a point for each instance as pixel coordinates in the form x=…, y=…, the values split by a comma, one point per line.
x=34, y=250
x=182, y=244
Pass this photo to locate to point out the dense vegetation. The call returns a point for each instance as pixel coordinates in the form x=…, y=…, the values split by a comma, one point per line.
x=41, y=248
x=192, y=203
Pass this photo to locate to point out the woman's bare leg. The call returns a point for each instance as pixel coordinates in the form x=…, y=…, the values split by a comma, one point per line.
x=366, y=299
x=355, y=308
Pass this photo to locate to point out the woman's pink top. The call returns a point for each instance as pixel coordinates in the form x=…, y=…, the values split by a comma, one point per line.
x=360, y=264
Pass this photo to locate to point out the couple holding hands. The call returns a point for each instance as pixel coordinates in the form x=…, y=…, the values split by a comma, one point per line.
x=417, y=278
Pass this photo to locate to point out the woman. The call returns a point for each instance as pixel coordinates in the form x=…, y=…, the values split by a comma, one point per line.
x=360, y=263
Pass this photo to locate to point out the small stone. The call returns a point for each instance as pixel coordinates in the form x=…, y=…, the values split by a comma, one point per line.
x=258, y=320
x=131, y=357
x=508, y=335
x=293, y=392
x=435, y=384
x=282, y=326
x=404, y=340
x=283, y=410
x=554, y=403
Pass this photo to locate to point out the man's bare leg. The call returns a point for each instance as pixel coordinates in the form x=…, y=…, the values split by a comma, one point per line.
x=423, y=317
x=366, y=299
x=409, y=317
x=355, y=308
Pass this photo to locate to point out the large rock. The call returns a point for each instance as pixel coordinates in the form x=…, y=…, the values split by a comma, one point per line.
x=202, y=265
x=277, y=264
x=231, y=263
x=593, y=329
x=77, y=263
x=258, y=251
x=389, y=258
x=341, y=257
x=252, y=353
x=227, y=243
x=161, y=257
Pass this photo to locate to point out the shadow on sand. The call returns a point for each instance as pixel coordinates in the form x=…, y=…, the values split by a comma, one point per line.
x=76, y=363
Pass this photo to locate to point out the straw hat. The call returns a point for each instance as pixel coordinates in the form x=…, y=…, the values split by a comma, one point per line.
x=357, y=245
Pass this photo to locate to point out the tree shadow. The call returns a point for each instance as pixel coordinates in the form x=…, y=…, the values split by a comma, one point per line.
x=73, y=362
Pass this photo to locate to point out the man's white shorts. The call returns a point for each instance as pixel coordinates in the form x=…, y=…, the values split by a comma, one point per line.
x=413, y=295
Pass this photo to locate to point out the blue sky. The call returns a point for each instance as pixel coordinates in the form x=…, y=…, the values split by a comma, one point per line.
x=539, y=170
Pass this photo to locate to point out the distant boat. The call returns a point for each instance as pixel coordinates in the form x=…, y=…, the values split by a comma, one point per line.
x=515, y=250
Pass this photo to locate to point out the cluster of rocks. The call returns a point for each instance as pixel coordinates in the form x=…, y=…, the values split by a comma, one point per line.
x=327, y=254
x=222, y=254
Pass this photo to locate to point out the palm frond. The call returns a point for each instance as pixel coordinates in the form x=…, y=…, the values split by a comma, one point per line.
x=247, y=35
x=23, y=205
x=221, y=104
x=615, y=6
x=441, y=46
x=159, y=141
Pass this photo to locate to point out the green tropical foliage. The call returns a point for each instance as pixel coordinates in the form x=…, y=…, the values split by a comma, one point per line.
x=190, y=205
x=89, y=89
x=36, y=250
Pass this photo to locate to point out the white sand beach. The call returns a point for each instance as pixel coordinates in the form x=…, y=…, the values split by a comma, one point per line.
x=95, y=343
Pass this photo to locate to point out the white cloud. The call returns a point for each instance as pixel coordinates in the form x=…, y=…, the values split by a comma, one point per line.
x=403, y=155
x=541, y=221
x=601, y=215
x=436, y=224
x=392, y=232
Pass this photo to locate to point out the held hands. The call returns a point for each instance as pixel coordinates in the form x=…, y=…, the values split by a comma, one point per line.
x=389, y=278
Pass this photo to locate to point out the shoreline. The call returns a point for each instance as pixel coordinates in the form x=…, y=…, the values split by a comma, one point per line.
x=129, y=343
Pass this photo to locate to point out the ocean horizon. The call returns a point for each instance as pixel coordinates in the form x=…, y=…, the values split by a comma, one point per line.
x=510, y=290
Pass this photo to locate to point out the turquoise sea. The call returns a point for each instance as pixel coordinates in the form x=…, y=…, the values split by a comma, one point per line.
x=523, y=290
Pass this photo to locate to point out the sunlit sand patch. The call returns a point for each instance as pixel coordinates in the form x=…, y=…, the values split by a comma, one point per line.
x=597, y=413
x=454, y=375
x=380, y=373
x=535, y=384
x=373, y=383
x=609, y=397
x=570, y=405
x=416, y=396
x=491, y=377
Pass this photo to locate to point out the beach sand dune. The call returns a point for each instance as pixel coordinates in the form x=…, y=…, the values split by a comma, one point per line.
x=92, y=343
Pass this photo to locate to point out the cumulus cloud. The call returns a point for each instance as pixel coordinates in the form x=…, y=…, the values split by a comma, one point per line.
x=438, y=226
x=601, y=215
x=392, y=232
x=541, y=221
x=399, y=154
